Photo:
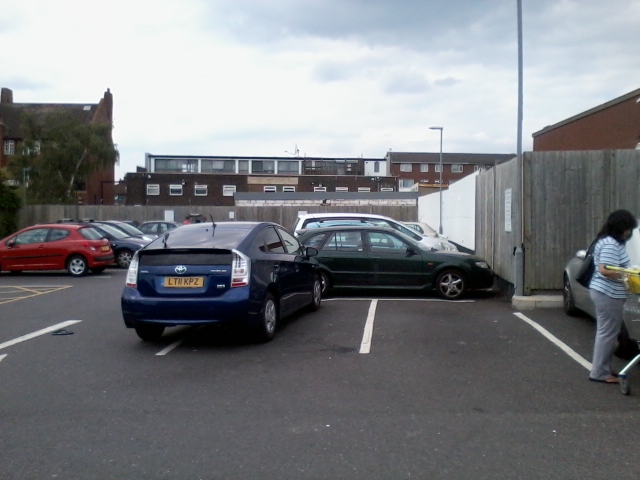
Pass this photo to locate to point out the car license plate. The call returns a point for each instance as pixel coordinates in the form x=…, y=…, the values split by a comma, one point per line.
x=184, y=282
x=106, y=248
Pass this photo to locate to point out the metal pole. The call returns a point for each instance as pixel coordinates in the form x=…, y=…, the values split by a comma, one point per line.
x=519, y=251
x=440, y=181
x=440, y=227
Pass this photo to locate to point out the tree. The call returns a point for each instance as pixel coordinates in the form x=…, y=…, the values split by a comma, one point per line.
x=9, y=206
x=59, y=152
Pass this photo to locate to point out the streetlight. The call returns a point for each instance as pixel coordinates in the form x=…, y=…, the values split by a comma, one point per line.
x=441, y=129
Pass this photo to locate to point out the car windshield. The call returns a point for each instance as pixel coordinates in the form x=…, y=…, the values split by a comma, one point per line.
x=113, y=231
x=130, y=229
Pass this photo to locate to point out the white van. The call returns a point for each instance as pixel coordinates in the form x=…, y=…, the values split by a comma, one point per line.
x=317, y=220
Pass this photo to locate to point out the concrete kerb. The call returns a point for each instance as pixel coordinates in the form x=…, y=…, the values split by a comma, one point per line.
x=536, y=301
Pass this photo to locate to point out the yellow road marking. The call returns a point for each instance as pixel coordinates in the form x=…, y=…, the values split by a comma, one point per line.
x=22, y=293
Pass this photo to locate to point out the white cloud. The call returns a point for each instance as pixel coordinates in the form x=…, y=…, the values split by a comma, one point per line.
x=337, y=78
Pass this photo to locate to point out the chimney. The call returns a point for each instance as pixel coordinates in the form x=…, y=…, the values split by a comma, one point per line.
x=6, y=95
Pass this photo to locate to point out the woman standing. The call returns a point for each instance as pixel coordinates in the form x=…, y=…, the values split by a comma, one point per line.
x=608, y=291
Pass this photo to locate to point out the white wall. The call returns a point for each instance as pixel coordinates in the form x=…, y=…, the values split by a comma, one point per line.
x=458, y=211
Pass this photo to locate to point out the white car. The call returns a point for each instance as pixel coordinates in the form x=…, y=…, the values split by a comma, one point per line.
x=316, y=220
x=422, y=228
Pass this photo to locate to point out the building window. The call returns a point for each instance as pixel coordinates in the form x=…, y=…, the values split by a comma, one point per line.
x=319, y=189
x=438, y=170
x=243, y=166
x=262, y=166
x=175, y=190
x=183, y=165
x=376, y=167
x=9, y=147
x=406, y=183
x=218, y=166
x=456, y=168
x=270, y=188
x=342, y=189
x=285, y=166
x=424, y=167
x=364, y=189
x=153, y=189
x=386, y=189
x=200, y=190
x=405, y=167
x=228, y=190
x=288, y=189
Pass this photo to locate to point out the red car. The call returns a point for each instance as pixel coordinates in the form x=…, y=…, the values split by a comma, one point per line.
x=75, y=248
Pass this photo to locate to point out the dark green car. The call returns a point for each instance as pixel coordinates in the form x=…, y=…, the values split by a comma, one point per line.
x=378, y=257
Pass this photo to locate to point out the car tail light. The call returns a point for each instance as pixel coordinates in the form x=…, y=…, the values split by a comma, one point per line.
x=240, y=269
x=89, y=245
x=132, y=273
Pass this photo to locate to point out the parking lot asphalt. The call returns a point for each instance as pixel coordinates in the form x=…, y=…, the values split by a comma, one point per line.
x=371, y=386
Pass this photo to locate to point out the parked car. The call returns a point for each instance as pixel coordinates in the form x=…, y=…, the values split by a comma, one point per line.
x=576, y=299
x=75, y=248
x=251, y=273
x=123, y=245
x=129, y=229
x=157, y=227
x=316, y=220
x=380, y=257
x=422, y=228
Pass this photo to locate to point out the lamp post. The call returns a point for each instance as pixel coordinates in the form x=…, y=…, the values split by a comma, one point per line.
x=440, y=185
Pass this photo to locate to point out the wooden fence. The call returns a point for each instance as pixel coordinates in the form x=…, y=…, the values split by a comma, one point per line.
x=283, y=215
x=567, y=197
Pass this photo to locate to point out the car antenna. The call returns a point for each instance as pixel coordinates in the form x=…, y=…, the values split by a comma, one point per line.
x=213, y=227
x=164, y=240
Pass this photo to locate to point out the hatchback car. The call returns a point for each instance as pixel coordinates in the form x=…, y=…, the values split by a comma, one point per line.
x=72, y=247
x=250, y=273
x=378, y=257
x=122, y=244
x=316, y=220
x=129, y=229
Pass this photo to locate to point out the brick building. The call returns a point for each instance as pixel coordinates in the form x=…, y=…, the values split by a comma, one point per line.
x=611, y=126
x=213, y=180
x=415, y=169
x=99, y=188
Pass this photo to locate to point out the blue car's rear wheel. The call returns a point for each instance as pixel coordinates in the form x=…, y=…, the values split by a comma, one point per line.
x=267, y=323
x=149, y=333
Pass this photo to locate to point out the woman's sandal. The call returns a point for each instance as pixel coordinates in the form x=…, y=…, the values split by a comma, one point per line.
x=610, y=379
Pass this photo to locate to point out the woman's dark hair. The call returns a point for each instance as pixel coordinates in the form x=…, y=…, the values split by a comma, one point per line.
x=617, y=223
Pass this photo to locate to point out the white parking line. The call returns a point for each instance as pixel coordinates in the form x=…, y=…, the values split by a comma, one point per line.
x=2, y=357
x=563, y=346
x=347, y=299
x=365, y=346
x=38, y=333
x=170, y=347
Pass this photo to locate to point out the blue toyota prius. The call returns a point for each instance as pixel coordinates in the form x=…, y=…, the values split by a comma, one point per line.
x=254, y=273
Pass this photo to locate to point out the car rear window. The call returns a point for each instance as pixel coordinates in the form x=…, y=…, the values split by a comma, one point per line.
x=90, y=233
x=203, y=235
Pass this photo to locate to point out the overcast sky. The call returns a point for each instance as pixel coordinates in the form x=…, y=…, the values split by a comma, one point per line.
x=337, y=78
